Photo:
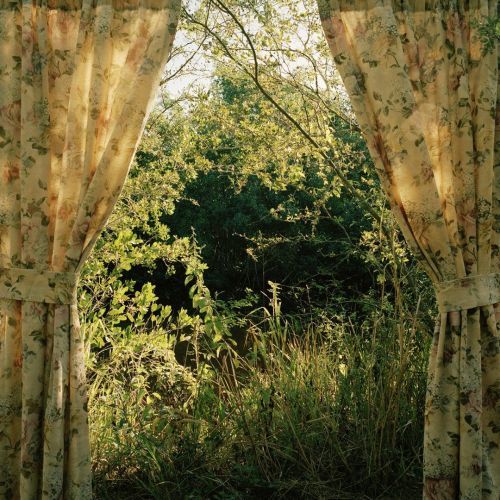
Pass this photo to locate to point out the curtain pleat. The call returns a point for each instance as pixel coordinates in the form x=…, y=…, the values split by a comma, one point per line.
x=77, y=78
x=424, y=88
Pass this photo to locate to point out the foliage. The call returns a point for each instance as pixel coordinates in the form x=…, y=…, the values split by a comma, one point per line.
x=254, y=330
x=489, y=32
x=326, y=408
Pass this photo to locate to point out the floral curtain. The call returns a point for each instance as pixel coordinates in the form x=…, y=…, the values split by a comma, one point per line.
x=424, y=86
x=76, y=80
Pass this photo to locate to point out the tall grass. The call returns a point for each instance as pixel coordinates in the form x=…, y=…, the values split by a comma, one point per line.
x=326, y=408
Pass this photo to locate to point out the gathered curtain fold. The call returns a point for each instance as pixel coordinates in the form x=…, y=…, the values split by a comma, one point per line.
x=77, y=78
x=423, y=83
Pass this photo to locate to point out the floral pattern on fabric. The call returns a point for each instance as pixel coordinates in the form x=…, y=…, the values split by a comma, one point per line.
x=77, y=78
x=425, y=92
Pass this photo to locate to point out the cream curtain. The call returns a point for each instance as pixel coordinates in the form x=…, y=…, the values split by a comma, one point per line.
x=76, y=80
x=424, y=88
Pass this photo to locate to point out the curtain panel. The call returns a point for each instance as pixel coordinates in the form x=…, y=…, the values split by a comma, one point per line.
x=424, y=87
x=77, y=78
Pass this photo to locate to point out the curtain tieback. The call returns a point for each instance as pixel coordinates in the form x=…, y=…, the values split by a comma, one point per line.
x=468, y=293
x=33, y=285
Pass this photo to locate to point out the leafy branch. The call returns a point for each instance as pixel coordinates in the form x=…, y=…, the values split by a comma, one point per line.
x=254, y=73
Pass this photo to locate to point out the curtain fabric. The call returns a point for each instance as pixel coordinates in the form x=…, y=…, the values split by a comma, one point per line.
x=424, y=87
x=77, y=78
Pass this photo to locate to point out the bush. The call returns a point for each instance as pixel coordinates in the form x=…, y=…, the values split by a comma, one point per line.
x=327, y=408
